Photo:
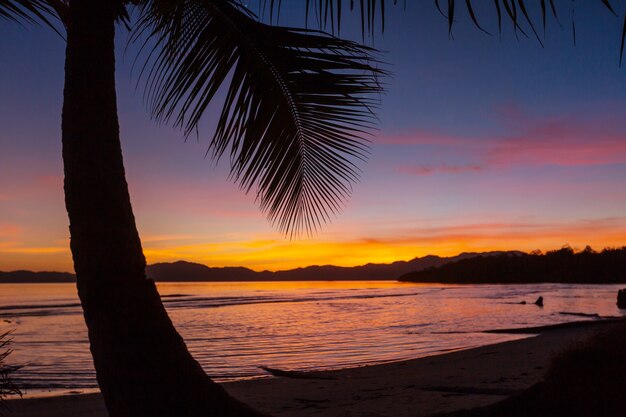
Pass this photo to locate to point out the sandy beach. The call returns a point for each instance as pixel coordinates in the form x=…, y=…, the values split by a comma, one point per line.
x=420, y=387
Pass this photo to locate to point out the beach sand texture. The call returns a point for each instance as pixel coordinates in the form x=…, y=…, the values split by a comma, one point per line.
x=420, y=387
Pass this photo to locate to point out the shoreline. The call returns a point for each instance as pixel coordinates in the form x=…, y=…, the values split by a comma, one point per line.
x=418, y=387
x=598, y=322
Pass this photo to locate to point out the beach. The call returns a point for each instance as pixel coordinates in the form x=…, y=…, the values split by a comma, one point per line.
x=420, y=387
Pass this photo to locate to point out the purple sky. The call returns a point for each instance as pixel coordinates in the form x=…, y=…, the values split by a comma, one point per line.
x=484, y=143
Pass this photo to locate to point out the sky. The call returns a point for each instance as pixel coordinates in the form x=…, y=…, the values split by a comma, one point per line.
x=484, y=143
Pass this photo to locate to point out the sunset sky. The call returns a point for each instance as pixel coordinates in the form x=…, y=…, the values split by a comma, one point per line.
x=484, y=144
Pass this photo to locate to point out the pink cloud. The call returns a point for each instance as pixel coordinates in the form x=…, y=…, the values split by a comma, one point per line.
x=607, y=231
x=443, y=168
x=9, y=230
x=565, y=140
x=422, y=138
x=50, y=180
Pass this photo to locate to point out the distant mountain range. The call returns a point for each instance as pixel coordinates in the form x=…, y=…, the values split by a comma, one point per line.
x=35, y=277
x=182, y=271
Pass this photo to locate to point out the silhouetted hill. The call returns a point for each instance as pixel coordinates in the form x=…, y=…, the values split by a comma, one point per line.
x=559, y=266
x=188, y=271
x=35, y=277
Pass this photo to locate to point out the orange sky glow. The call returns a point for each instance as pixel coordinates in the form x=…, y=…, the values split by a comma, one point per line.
x=484, y=143
x=273, y=254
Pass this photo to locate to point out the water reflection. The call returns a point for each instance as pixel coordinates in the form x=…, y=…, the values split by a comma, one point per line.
x=233, y=328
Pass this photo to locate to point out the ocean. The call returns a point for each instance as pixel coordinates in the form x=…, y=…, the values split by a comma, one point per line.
x=234, y=328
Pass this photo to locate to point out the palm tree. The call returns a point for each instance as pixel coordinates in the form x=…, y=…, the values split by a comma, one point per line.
x=298, y=106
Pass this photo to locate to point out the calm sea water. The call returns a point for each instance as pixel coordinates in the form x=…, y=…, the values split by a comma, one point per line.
x=233, y=328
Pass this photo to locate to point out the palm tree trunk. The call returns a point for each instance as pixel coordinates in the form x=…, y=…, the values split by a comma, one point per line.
x=142, y=364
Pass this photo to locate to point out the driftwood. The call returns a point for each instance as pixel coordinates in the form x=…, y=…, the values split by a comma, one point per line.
x=294, y=374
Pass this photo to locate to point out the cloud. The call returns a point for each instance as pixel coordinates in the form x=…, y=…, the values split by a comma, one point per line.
x=166, y=238
x=44, y=250
x=50, y=180
x=570, y=140
x=443, y=168
x=557, y=143
x=581, y=229
x=390, y=244
x=263, y=252
x=9, y=230
x=420, y=137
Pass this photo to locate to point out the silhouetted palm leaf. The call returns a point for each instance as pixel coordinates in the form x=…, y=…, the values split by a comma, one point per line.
x=328, y=13
x=25, y=10
x=34, y=10
x=297, y=107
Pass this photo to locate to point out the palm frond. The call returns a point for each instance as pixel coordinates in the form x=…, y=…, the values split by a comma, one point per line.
x=26, y=10
x=328, y=13
x=298, y=105
x=36, y=11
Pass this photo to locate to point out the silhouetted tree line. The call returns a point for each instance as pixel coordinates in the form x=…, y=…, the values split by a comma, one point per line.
x=559, y=266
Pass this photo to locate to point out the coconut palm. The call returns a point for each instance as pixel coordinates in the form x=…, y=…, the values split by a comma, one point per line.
x=297, y=108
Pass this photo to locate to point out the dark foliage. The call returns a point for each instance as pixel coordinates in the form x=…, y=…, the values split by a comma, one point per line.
x=559, y=266
x=7, y=386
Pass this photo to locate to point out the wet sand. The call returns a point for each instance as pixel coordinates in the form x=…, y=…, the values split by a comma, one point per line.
x=419, y=387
